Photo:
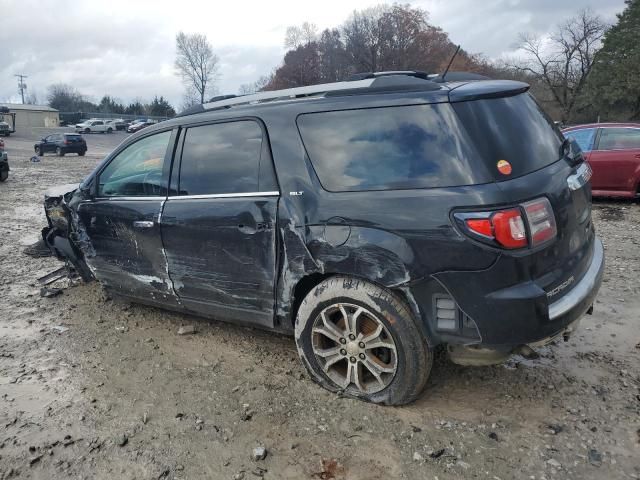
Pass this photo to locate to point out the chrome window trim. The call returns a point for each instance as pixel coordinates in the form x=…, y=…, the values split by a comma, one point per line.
x=158, y=198
x=190, y=197
x=225, y=195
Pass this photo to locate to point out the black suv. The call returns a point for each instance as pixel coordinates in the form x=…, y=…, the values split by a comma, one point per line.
x=374, y=219
x=61, y=143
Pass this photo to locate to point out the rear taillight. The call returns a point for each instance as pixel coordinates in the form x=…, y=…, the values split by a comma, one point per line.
x=542, y=223
x=529, y=224
x=67, y=142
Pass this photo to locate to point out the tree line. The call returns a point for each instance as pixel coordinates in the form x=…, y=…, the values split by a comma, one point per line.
x=65, y=98
x=584, y=71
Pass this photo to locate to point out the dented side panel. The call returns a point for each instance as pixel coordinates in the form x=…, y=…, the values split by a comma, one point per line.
x=123, y=256
x=222, y=255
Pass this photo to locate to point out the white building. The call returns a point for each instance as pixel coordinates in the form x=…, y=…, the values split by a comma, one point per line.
x=31, y=115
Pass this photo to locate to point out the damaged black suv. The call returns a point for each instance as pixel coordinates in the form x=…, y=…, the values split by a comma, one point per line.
x=374, y=219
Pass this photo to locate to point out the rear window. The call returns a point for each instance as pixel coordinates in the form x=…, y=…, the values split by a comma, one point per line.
x=73, y=137
x=514, y=129
x=420, y=146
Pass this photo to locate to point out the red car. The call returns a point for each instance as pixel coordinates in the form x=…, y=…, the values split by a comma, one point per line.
x=613, y=151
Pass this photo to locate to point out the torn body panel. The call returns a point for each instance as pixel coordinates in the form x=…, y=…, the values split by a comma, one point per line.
x=64, y=236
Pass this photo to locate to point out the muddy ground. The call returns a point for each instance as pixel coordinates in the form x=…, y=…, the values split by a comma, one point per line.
x=95, y=387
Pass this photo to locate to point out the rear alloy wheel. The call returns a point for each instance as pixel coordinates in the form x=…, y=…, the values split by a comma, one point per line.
x=354, y=348
x=361, y=340
x=109, y=130
x=59, y=152
x=87, y=130
x=82, y=152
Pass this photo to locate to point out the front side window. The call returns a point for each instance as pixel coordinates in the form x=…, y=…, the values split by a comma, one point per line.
x=619, y=139
x=584, y=138
x=221, y=158
x=136, y=170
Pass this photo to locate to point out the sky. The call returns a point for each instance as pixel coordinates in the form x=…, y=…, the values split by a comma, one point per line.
x=127, y=48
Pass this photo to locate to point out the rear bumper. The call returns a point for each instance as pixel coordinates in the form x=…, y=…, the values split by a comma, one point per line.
x=572, y=304
x=74, y=148
x=500, y=314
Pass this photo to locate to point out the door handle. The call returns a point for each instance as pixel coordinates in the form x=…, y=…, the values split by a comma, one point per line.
x=143, y=224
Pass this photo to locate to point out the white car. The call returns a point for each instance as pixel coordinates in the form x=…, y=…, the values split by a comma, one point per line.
x=92, y=126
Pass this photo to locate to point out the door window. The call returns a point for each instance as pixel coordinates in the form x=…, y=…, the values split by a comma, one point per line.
x=584, y=138
x=221, y=158
x=619, y=139
x=136, y=170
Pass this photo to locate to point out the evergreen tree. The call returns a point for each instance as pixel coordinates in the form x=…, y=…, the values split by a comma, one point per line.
x=614, y=85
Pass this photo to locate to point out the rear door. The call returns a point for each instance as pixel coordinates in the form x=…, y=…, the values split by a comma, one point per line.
x=616, y=159
x=218, y=226
x=121, y=221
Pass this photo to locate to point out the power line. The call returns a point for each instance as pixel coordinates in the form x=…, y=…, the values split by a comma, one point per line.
x=21, y=85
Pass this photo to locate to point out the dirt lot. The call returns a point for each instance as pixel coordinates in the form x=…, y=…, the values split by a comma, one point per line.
x=94, y=387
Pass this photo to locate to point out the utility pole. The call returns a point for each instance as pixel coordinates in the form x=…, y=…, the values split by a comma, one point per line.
x=21, y=85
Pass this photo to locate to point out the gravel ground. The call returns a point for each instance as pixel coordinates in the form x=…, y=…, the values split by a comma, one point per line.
x=95, y=387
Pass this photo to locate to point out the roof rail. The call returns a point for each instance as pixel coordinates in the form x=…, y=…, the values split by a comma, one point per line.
x=287, y=94
x=409, y=73
x=369, y=82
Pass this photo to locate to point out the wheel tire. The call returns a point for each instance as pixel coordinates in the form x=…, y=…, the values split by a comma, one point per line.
x=109, y=130
x=81, y=153
x=39, y=151
x=59, y=152
x=413, y=358
x=4, y=175
x=87, y=130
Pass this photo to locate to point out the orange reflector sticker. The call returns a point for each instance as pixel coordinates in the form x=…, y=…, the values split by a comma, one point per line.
x=504, y=167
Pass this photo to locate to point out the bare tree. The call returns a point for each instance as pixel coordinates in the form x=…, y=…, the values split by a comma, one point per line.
x=32, y=98
x=564, y=60
x=299, y=36
x=196, y=63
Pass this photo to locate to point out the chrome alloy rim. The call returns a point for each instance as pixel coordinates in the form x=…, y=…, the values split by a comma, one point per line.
x=353, y=347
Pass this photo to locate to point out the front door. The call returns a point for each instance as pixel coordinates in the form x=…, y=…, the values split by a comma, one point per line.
x=218, y=228
x=122, y=229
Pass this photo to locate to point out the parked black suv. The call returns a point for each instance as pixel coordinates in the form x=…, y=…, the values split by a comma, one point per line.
x=61, y=144
x=374, y=219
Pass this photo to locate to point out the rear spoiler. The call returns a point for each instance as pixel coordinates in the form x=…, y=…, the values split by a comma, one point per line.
x=486, y=89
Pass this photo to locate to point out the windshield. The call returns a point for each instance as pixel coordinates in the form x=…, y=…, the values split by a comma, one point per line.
x=514, y=129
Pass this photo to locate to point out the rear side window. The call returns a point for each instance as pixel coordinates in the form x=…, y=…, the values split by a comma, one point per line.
x=419, y=146
x=619, y=139
x=221, y=158
x=514, y=129
x=584, y=138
